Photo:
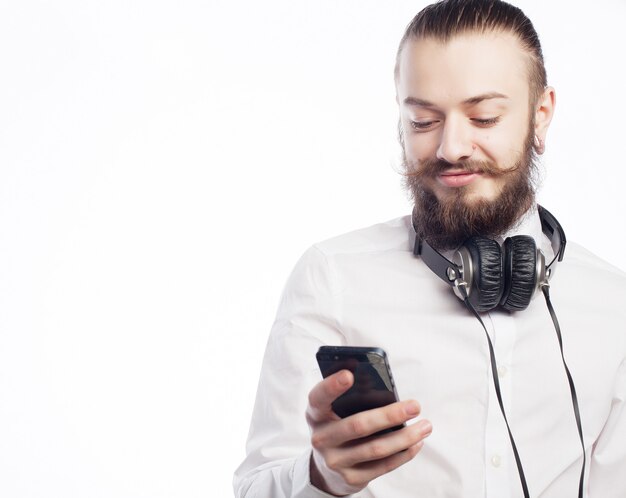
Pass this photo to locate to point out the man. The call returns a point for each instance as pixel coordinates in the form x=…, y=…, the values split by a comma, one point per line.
x=474, y=112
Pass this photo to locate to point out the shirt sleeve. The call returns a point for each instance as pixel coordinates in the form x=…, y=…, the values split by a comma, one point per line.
x=607, y=476
x=278, y=447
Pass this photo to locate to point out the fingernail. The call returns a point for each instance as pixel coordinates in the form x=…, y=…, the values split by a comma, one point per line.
x=412, y=409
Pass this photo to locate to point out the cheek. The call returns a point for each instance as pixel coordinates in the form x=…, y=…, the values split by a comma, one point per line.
x=418, y=147
x=509, y=140
x=501, y=147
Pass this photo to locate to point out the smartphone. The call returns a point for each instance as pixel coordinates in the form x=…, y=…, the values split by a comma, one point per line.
x=373, y=383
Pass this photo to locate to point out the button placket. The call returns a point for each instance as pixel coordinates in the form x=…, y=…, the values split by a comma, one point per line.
x=498, y=452
x=502, y=371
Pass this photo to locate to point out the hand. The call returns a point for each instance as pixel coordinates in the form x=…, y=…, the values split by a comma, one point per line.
x=346, y=457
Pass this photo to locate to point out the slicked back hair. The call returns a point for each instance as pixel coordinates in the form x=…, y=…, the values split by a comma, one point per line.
x=446, y=19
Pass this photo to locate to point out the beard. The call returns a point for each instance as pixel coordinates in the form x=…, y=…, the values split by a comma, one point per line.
x=448, y=222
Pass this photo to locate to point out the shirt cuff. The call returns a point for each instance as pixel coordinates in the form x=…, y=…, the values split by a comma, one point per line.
x=302, y=486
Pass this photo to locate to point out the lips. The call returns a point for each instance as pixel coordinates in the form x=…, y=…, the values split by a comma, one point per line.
x=454, y=179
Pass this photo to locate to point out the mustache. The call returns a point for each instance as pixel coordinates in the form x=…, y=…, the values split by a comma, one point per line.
x=434, y=167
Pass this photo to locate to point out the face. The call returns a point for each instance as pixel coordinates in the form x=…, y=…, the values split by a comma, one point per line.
x=468, y=132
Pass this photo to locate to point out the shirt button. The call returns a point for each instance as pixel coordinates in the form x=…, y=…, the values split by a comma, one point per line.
x=496, y=461
x=502, y=371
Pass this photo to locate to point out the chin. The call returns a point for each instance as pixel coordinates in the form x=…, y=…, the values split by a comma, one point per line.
x=467, y=195
x=476, y=198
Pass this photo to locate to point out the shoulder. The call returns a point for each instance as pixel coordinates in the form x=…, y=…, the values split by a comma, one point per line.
x=392, y=235
x=590, y=283
x=356, y=258
x=579, y=259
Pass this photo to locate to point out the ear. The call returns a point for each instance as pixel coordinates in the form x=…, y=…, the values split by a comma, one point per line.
x=544, y=110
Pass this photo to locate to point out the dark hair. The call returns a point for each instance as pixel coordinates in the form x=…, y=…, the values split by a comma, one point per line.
x=447, y=18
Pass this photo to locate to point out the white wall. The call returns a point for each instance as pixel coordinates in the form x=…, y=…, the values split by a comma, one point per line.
x=162, y=166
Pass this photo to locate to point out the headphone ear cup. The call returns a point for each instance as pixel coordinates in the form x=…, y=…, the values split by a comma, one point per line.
x=487, y=283
x=520, y=272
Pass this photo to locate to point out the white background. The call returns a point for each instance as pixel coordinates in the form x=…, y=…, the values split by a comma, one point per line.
x=163, y=165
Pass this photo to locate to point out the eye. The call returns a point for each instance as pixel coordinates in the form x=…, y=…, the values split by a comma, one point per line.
x=486, y=122
x=423, y=125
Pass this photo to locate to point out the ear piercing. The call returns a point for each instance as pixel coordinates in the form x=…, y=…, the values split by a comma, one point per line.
x=540, y=146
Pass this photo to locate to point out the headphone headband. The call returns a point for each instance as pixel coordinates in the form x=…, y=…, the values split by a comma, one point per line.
x=554, y=231
x=452, y=273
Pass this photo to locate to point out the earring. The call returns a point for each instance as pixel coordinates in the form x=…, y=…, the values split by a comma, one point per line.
x=540, y=146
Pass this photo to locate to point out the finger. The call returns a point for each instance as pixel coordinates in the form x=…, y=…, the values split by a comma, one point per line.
x=377, y=447
x=361, y=425
x=380, y=447
x=325, y=392
x=359, y=476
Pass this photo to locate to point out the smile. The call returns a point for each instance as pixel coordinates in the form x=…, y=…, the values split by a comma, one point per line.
x=457, y=178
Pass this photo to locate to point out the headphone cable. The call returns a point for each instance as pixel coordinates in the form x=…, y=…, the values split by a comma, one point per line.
x=545, y=288
x=496, y=383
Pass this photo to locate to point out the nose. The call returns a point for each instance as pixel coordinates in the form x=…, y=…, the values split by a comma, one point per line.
x=455, y=142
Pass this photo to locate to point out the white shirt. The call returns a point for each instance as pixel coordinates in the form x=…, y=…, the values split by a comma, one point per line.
x=366, y=288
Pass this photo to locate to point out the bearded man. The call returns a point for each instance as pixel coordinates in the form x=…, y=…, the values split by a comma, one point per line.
x=535, y=408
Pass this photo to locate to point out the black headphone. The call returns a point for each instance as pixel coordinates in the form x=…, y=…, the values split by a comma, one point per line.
x=492, y=277
x=485, y=276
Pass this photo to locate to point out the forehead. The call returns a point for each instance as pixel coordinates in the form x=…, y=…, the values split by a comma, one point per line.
x=463, y=66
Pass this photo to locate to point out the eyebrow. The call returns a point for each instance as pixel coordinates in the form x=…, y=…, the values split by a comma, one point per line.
x=470, y=101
